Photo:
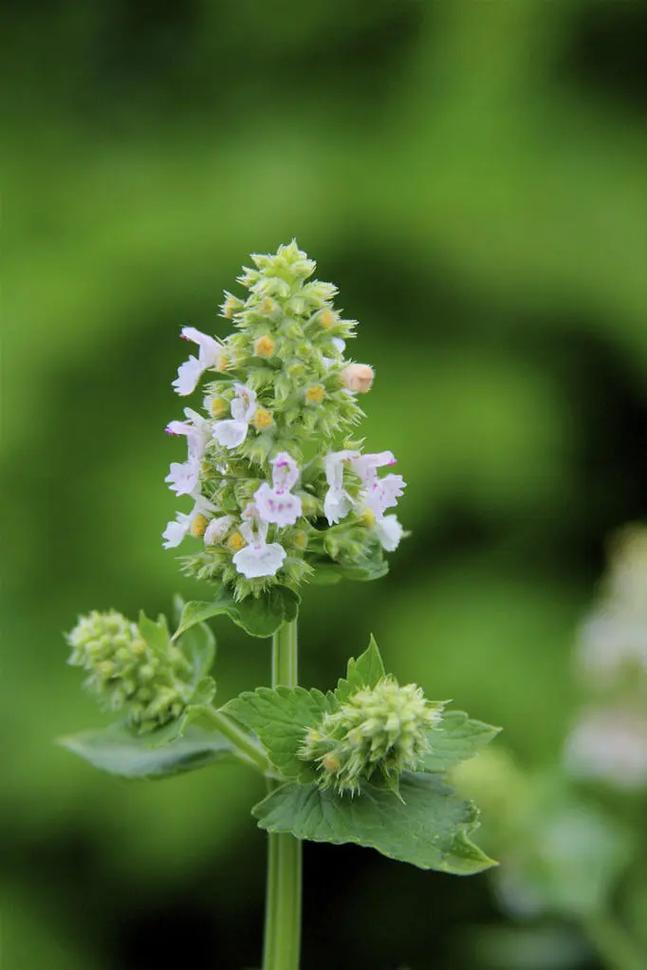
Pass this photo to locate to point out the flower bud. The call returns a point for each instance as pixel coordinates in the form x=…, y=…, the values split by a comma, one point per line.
x=383, y=731
x=232, y=304
x=358, y=378
x=199, y=525
x=218, y=529
x=218, y=407
x=264, y=346
x=315, y=394
x=262, y=419
x=327, y=319
x=235, y=542
x=125, y=673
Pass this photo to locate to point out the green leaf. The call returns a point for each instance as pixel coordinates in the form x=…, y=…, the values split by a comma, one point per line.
x=366, y=671
x=117, y=751
x=429, y=828
x=155, y=633
x=327, y=573
x=280, y=717
x=260, y=617
x=456, y=739
x=198, y=644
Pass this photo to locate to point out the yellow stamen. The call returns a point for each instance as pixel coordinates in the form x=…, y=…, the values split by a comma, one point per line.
x=315, y=394
x=264, y=346
x=267, y=305
x=199, y=525
x=327, y=319
x=235, y=542
x=367, y=518
x=262, y=419
x=218, y=407
x=331, y=763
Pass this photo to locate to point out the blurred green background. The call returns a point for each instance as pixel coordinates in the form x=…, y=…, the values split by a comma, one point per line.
x=472, y=176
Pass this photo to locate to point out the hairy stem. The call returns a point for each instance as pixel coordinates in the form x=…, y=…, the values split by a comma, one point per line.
x=283, y=903
x=247, y=749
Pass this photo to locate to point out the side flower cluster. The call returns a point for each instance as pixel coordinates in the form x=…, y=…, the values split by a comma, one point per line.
x=376, y=735
x=277, y=485
x=126, y=674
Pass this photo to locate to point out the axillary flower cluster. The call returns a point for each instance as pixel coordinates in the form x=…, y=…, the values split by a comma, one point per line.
x=278, y=486
x=376, y=734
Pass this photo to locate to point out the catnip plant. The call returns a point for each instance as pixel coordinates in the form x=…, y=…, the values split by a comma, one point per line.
x=279, y=493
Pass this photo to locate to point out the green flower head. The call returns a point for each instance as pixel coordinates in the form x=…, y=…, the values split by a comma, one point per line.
x=126, y=674
x=378, y=733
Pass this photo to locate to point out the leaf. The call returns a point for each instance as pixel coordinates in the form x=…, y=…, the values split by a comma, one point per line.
x=363, y=672
x=260, y=617
x=280, y=717
x=155, y=633
x=117, y=751
x=456, y=739
x=198, y=644
x=327, y=573
x=430, y=828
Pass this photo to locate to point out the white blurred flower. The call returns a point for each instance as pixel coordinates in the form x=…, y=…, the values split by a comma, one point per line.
x=232, y=432
x=190, y=372
x=276, y=503
x=389, y=532
x=609, y=745
x=258, y=558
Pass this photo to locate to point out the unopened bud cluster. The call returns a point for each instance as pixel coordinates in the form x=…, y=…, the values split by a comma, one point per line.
x=126, y=674
x=375, y=735
x=278, y=485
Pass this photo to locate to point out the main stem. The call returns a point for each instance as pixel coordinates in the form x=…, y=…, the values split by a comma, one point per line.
x=283, y=903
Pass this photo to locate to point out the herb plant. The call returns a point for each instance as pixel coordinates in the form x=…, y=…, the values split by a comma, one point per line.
x=282, y=494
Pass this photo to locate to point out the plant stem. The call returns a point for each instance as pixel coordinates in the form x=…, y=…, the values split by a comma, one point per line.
x=613, y=944
x=247, y=749
x=283, y=903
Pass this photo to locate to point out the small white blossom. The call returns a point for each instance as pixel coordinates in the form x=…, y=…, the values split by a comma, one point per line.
x=258, y=558
x=389, y=532
x=190, y=372
x=183, y=477
x=232, y=432
x=276, y=503
x=177, y=529
x=337, y=501
x=197, y=430
x=218, y=529
x=379, y=493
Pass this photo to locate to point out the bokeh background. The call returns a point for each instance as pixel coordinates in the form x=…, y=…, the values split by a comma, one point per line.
x=472, y=176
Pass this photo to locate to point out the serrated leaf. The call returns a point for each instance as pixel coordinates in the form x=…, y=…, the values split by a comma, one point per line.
x=118, y=752
x=260, y=617
x=457, y=738
x=154, y=632
x=429, y=828
x=366, y=671
x=280, y=717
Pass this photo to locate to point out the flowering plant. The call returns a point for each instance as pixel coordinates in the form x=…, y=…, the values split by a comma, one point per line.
x=282, y=494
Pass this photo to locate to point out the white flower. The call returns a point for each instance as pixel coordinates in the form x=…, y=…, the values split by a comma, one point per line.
x=231, y=433
x=190, y=372
x=183, y=477
x=339, y=345
x=177, y=529
x=337, y=501
x=218, y=529
x=258, y=558
x=379, y=494
x=197, y=430
x=609, y=745
x=389, y=532
x=277, y=503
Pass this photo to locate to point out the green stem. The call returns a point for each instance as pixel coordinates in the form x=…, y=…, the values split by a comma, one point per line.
x=613, y=944
x=247, y=749
x=283, y=903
